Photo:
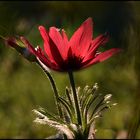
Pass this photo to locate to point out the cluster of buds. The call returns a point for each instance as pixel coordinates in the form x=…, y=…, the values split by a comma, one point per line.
x=91, y=105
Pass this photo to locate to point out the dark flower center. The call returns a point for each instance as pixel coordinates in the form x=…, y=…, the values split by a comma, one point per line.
x=72, y=63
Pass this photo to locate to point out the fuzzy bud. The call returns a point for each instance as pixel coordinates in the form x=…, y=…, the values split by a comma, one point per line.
x=107, y=97
x=21, y=48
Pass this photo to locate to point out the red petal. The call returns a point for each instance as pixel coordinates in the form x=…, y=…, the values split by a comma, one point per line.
x=44, y=33
x=81, y=39
x=66, y=42
x=58, y=41
x=46, y=39
x=48, y=51
x=47, y=62
x=50, y=48
x=103, y=56
x=96, y=43
x=100, y=40
x=65, y=38
x=55, y=53
x=70, y=55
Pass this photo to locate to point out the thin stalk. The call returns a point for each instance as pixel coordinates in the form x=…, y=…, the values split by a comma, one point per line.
x=56, y=94
x=76, y=103
x=68, y=95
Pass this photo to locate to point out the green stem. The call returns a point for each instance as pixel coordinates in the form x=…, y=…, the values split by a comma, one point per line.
x=54, y=90
x=78, y=113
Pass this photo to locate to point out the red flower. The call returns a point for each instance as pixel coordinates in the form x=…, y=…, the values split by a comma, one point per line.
x=79, y=52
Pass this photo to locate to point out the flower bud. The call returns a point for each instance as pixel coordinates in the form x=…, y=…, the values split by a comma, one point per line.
x=21, y=48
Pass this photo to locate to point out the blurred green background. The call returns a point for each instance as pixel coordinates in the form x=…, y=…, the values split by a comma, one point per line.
x=24, y=86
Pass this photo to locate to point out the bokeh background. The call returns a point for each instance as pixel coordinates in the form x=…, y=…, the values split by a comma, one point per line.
x=24, y=86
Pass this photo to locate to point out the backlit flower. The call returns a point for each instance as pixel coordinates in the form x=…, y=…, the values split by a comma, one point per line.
x=81, y=51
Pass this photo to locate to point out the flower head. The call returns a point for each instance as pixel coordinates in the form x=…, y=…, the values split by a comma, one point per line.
x=79, y=52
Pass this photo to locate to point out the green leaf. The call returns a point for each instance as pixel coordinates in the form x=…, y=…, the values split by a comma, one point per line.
x=87, y=106
x=41, y=113
x=62, y=127
x=85, y=100
x=68, y=108
x=98, y=104
x=67, y=91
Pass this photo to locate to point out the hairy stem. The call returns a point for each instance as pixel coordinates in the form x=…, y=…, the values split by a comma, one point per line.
x=56, y=94
x=76, y=103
